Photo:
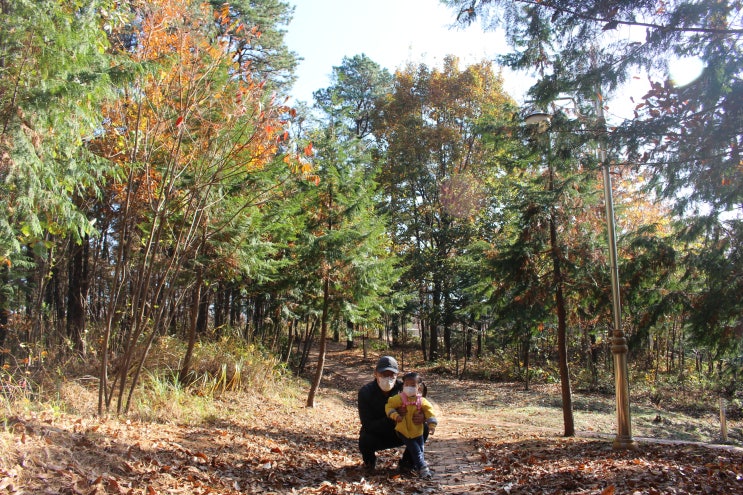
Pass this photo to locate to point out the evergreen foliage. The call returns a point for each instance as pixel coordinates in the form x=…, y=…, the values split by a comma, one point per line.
x=686, y=139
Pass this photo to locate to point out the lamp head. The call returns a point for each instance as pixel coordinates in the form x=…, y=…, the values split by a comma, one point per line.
x=537, y=118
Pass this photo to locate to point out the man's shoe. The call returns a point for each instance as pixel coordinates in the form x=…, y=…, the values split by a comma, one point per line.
x=369, y=467
x=424, y=473
x=404, y=468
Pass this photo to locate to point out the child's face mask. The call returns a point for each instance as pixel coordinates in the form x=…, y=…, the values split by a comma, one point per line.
x=386, y=383
x=410, y=391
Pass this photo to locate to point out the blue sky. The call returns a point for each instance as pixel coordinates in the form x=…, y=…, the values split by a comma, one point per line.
x=395, y=32
x=390, y=32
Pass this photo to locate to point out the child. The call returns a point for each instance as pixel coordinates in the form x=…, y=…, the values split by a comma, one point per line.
x=409, y=401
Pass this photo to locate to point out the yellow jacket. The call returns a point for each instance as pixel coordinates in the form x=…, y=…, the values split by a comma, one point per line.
x=406, y=427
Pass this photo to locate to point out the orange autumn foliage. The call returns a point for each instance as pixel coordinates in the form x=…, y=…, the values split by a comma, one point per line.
x=192, y=108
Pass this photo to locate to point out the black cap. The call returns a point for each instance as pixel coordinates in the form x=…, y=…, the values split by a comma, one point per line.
x=386, y=363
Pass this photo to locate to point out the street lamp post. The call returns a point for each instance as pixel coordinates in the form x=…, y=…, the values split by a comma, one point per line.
x=619, y=346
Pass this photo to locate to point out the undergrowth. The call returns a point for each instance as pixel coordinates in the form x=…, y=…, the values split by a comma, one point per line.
x=224, y=366
x=681, y=393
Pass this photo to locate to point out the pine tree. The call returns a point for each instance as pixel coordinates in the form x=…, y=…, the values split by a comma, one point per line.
x=346, y=254
x=687, y=139
x=54, y=77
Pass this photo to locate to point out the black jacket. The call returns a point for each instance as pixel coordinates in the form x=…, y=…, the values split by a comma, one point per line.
x=371, y=408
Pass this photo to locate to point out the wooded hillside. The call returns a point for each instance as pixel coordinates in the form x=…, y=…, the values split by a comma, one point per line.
x=154, y=185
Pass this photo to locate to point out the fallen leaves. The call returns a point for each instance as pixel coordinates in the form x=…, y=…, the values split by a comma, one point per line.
x=579, y=465
x=297, y=451
x=274, y=445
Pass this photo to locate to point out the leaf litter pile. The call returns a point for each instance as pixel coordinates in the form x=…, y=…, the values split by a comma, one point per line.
x=279, y=451
x=582, y=466
x=274, y=445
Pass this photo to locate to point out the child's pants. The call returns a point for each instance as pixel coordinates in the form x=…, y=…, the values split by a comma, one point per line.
x=415, y=447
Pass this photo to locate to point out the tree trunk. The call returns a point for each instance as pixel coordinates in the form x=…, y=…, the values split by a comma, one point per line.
x=468, y=341
x=290, y=333
x=308, y=339
x=4, y=312
x=221, y=305
x=77, y=289
x=480, y=331
x=257, y=318
x=52, y=323
x=562, y=350
x=526, y=343
x=323, y=343
x=422, y=322
x=193, y=317
x=202, y=320
x=234, y=307
x=349, y=335
x=433, y=344
x=447, y=317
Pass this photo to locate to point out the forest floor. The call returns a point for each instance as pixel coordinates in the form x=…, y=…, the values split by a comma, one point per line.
x=492, y=438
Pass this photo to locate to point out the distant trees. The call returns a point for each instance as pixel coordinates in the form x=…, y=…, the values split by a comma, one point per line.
x=434, y=173
x=264, y=55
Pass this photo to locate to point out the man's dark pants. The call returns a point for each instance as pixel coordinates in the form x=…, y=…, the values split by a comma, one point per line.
x=370, y=443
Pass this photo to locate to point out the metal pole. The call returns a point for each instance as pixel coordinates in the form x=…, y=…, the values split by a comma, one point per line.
x=619, y=347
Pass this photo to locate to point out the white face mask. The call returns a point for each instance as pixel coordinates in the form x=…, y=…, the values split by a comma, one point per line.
x=410, y=391
x=385, y=383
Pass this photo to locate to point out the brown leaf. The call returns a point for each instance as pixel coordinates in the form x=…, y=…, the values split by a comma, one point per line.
x=7, y=483
x=113, y=486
